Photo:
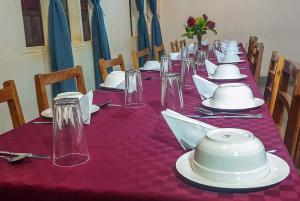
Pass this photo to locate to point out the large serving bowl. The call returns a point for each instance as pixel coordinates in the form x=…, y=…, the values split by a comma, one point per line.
x=233, y=95
x=230, y=155
x=227, y=71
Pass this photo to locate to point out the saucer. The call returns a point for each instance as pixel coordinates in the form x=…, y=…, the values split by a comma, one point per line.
x=257, y=103
x=231, y=62
x=279, y=170
x=242, y=76
x=48, y=112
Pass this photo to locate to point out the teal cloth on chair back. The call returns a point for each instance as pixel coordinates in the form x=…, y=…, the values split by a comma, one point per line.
x=60, y=48
x=155, y=26
x=143, y=37
x=100, y=40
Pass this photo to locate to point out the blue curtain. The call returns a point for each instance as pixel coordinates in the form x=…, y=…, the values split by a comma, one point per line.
x=143, y=37
x=100, y=40
x=155, y=27
x=60, y=48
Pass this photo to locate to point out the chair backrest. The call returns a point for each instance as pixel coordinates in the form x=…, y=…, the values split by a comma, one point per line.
x=273, y=79
x=104, y=64
x=256, y=59
x=174, y=46
x=252, y=40
x=42, y=80
x=290, y=104
x=135, y=55
x=9, y=94
x=182, y=43
x=158, y=50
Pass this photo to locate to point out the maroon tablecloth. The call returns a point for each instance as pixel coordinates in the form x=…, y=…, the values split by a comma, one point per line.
x=133, y=155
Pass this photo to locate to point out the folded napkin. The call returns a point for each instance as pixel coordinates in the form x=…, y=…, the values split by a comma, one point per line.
x=185, y=128
x=175, y=56
x=210, y=67
x=205, y=88
x=85, y=102
x=151, y=65
x=115, y=79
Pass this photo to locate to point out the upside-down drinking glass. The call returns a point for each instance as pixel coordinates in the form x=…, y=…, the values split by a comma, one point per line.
x=201, y=56
x=134, y=94
x=165, y=65
x=69, y=140
x=171, y=92
x=188, y=69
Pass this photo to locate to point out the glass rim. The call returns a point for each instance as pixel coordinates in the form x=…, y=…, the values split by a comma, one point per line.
x=131, y=71
x=65, y=101
x=170, y=74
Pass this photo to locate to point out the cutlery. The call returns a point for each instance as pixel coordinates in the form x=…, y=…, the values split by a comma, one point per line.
x=103, y=105
x=30, y=155
x=14, y=159
x=42, y=122
x=254, y=116
x=114, y=105
x=212, y=113
x=272, y=151
x=150, y=78
x=186, y=145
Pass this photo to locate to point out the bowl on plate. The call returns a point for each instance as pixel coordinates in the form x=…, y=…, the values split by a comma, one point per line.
x=151, y=65
x=231, y=57
x=230, y=155
x=227, y=71
x=232, y=95
x=114, y=79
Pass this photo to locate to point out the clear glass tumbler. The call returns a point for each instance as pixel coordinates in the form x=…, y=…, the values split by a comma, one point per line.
x=188, y=69
x=171, y=92
x=184, y=53
x=69, y=140
x=134, y=94
x=211, y=51
x=217, y=45
x=165, y=65
x=201, y=56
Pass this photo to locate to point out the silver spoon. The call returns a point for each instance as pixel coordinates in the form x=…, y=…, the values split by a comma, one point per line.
x=211, y=113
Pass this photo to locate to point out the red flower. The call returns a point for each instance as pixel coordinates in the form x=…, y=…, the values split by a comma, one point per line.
x=211, y=24
x=191, y=21
x=205, y=17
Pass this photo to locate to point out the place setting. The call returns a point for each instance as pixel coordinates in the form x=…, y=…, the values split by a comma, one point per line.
x=223, y=159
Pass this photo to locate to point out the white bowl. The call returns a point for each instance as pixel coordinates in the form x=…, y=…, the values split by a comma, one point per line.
x=114, y=79
x=230, y=155
x=152, y=65
x=232, y=95
x=227, y=71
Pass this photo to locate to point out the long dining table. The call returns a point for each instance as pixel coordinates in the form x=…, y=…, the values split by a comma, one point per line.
x=132, y=155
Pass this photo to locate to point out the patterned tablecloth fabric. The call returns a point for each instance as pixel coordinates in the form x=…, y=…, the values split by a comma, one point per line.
x=133, y=155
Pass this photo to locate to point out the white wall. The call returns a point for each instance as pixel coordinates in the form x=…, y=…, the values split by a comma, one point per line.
x=21, y=64
x=275, y=22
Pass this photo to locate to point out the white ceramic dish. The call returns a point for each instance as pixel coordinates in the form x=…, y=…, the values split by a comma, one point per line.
x=114, y=79
x=230, y=155
x=48, y=112
x=279, y=170
x=151, y=66
x=231, y=62
x=242, y=76
x=257, y=102
x=227, y=72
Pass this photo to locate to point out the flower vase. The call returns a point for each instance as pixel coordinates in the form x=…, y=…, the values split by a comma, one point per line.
x=199, y=40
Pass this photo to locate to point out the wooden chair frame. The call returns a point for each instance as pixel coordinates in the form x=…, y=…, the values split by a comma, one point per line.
x=252, y=41
x=273, y=79
x=42, y=80
x=182, y=43
x=158, y=50
x=256, y=59
x=135, y=55
x=174, y=46
x=9, y=94
x=291, y=104
x=104, y=64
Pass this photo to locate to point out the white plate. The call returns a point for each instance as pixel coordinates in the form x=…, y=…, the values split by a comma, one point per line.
x=257, y=103
x=279, y=171
x=232, y=62
x=242, y=76
x=48, y=112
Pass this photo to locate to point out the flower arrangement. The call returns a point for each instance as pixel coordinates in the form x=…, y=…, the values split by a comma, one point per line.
x=198, y=27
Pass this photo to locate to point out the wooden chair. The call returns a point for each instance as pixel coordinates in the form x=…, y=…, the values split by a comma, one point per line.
x=290, y=104
x=256, y=59
x=135, y=55
x=104, y=64
x=9, y=94
x=252, y=40
x=182, y=43
x=273, y=79
x=41, y=80
x=174, y=46
x=158, y=50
